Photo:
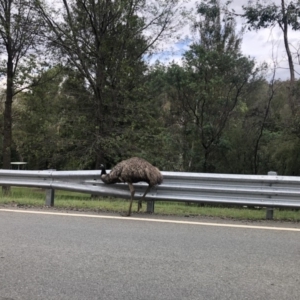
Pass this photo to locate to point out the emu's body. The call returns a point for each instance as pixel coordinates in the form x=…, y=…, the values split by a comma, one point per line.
x=133, y=170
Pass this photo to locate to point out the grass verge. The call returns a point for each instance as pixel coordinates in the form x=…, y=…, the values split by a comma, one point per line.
x=29, y=197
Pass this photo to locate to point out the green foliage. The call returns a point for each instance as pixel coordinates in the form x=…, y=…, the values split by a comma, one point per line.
x=268, y=15
x=260, y=15
x=207, y=89
x=54, y=124
x=34, y=131
x=20, y=38
x=217, y=30
x=105, y=41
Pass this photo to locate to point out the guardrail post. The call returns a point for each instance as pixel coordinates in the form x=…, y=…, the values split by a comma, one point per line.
x=50, y=197
x=270, y=210
x=269, y=213
x=150, y=207
x=50, y=193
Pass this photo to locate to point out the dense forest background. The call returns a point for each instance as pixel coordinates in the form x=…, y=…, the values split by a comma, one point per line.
x=80, y=90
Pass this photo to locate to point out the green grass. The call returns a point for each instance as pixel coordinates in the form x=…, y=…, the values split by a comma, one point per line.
x=30, y=197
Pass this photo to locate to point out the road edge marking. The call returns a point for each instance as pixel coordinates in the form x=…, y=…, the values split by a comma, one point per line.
x=151, y=220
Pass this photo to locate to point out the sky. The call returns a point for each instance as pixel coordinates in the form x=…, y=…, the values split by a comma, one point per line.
x=265, y=45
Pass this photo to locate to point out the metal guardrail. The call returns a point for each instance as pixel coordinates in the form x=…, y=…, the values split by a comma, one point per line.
x=247, y=190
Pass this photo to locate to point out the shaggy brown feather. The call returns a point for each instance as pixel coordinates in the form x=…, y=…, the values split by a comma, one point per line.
x=133, y=170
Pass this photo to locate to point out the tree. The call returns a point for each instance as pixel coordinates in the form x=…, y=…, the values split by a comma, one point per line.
x=106, y=41
x=211, y=84
x=50, y=122
x=19, y=31
x=286, y=16
x=255, y=129
x=52, y=127
x=217, y=32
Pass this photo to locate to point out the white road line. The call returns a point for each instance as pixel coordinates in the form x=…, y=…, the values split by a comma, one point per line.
x=149, y=220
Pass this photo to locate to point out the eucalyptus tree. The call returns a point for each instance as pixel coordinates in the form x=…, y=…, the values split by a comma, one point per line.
x=267, y=15
x=107, y=42
x=211, y=83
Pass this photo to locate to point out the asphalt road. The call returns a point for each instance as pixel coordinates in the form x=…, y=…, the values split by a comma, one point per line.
x=63, y=257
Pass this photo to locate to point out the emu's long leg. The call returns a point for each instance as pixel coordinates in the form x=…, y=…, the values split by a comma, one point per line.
x=131, y=188
x=140, y=201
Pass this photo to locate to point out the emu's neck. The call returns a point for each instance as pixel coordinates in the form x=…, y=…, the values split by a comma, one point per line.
x=103, y=171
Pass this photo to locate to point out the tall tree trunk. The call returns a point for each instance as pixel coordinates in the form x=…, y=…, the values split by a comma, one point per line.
x=100, y=114
x=7, y=126
x=284, y=28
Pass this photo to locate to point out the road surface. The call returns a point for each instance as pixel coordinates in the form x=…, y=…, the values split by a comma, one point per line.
x=65, y=257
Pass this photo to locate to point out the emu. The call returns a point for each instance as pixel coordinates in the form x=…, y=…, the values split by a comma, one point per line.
x=133, y=170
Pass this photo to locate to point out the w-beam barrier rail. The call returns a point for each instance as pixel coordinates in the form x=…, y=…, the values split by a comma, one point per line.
x=246, y=190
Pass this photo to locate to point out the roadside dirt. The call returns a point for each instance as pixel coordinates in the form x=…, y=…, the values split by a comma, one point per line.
x=190, y=218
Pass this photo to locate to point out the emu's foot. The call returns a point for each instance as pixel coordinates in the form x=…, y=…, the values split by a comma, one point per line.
x=125, y=214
